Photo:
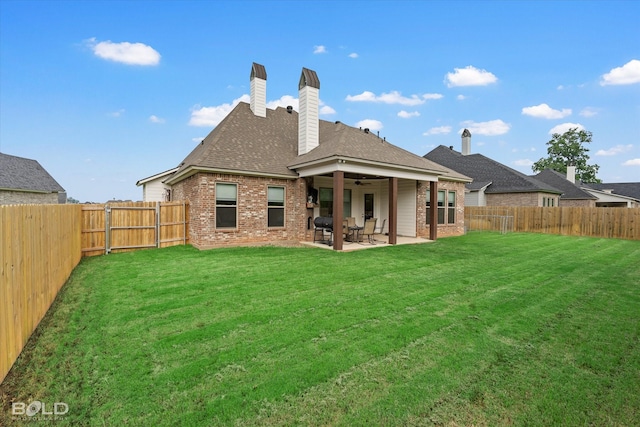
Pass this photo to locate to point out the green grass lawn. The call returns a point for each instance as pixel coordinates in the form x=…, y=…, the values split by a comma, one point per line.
x=483, y=329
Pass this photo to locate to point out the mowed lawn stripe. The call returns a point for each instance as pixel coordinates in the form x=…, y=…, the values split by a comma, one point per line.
x=479, y=329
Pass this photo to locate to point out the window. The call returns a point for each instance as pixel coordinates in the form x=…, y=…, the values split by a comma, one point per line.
x=226, y=205
x=275, y=206
x=428, y=207
x=451, y=207
x=325, y=197
x=446, y=213
x=441, y=197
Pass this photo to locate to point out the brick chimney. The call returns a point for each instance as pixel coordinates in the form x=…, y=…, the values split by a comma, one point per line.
x=258, y=90
x=466, y=142
x=308, y=116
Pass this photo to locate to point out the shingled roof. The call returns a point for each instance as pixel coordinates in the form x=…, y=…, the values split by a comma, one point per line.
x=244, y=143
x=482, y=169
x=628, y=189
x=21, y=174
x=570, y=191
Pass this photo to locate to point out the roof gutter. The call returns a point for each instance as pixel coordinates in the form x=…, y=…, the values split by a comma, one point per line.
x=192, y=170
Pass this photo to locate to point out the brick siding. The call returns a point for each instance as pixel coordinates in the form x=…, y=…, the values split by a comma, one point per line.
x=444, y=230
x=577, y=203
x=520, y=199
x=252, y=227
x=27, y=198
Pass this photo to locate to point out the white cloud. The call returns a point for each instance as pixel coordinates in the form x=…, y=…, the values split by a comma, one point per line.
x=393, y=97
x=628, y=74
x=125, y=52
x=325, y=110
x=370, y=123
x=433, y=96
x=156, y=119
x=284, y=101
x=589, y=112
x=469, y=76
x=408, y=115
x=211, y=116
x=615, y=150
x=562, y=128
x=632, y=162
x=287, y=100
x=319, y=49
x=461, y=97
x=118, y=113
x=546, y=112
x=523, y=162
x=439, y=130
x=353, y=55
x=490, y=128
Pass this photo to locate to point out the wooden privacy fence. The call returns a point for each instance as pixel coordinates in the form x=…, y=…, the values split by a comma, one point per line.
x=619, y=223
x=40, y=245
x=39, y=248
x=119, y=227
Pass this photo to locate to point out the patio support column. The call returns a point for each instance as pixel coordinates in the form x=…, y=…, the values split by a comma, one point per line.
x=433, y=202
x=393, y=211
x=338, y=208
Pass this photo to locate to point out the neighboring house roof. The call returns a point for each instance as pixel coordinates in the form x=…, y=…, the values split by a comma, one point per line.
x=244, y=143
x=20, y=174
x=156, y=176
x=570, y=191
x=627, y=189
x=482, y=169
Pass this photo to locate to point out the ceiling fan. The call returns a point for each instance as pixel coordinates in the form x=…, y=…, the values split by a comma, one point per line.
x=358, y=182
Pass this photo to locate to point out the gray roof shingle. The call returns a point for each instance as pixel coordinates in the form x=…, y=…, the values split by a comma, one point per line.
x=483, y=169
x=245, y=143
x=570, y=191
x=19, y=173
x=629, y=189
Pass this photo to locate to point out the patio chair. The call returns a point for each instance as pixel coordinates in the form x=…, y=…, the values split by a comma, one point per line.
x=369, y=230
x=379, y=230
x=351, y=228
x=346, y=231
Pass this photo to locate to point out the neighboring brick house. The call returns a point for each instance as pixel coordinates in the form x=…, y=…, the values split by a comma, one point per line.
x=25, y=181
x=572, y=194
x=494, y=184
x=263, y=176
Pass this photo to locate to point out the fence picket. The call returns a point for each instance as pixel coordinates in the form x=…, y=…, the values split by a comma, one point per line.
x=40, y=245
x=618, y=223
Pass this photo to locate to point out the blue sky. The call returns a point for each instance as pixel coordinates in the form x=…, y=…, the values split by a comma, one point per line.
x=103, y=94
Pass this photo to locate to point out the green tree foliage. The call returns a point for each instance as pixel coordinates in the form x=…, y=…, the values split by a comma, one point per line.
x=569, y=149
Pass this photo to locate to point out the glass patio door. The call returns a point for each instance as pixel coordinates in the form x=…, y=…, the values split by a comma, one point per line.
x=368, y=206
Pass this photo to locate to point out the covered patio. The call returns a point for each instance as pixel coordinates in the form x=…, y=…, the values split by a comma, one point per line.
x=381, y=241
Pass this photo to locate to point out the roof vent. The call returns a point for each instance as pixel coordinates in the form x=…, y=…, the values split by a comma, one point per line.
x=338, y=122
x=289, y=109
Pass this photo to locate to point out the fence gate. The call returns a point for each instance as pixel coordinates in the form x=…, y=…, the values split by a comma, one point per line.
x=133, y=225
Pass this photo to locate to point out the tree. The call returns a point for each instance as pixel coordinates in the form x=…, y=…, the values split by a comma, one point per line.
x=569, y=149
